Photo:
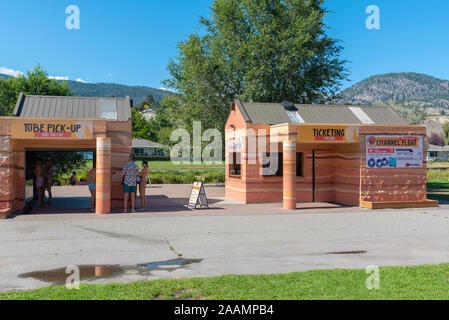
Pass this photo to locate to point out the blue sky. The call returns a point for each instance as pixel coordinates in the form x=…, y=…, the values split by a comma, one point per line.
x=131, y=42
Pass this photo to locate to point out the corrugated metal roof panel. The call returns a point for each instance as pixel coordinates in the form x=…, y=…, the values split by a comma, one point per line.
x=383, y=115
x=72, y=107
x=327, y=114
x=266, y=113
x=140, y=143
x=275, y=113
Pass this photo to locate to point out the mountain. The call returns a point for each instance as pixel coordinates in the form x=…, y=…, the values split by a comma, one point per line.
x=137, y=93
x=400, y=88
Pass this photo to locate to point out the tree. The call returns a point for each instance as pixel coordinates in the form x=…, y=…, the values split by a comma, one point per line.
x=140, y=126
x=446, y=133
x=256, y=50
x=147, y=103
x=35, y=82
x=64, y=161
x=149, y=100
x=415, y=113
x=8, y=96
x=436, y=139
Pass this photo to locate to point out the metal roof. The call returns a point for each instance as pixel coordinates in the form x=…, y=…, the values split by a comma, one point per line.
x=143, y=143
x=111, y=109
x=275, y=113
x=433, y=148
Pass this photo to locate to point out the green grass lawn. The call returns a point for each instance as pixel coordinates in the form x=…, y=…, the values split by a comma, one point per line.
x=170, y=166
x=166, y=172
x=423, y=282
x=438, y=164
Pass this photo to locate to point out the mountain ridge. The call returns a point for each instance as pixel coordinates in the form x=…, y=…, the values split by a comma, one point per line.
x=104, y=89
x=403, y=87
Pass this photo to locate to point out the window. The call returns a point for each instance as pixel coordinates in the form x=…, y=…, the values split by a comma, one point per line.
x=235, y=159
x=274, y=170
x=139, y=151
x=300, y=164
x=278, y=171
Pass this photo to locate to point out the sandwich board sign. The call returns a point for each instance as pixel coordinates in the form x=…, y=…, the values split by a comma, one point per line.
x=198, y=197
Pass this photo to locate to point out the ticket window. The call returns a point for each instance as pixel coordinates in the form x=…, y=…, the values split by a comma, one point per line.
x=235, y=167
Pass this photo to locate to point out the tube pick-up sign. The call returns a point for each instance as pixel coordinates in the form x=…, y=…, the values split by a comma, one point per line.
x=394, y=152
x=58, y=129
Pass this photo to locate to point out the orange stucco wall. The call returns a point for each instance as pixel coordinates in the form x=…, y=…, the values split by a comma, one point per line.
x=12, y=157
x=340, y=169
x=379, y=185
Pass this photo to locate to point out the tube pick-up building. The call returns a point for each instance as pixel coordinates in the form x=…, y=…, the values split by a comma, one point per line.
x=356, y=155
x=43, y=123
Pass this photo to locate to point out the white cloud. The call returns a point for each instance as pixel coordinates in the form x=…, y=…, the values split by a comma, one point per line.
x=165, y=89
x=15, y=74
x=58, y=78
x=10, y=72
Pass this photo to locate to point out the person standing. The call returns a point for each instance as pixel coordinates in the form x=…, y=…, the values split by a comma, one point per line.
x=143, y=185
x=40, y=182
x=73, y=179
x=50, y=173
x=130, y=173
x=92, y=182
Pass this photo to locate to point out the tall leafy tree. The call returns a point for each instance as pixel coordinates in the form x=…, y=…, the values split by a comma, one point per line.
x=446, y=133
x=35, y=82
x=140, y=126
x=256, y=50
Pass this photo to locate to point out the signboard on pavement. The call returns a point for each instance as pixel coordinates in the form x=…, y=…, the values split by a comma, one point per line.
x=198, y=196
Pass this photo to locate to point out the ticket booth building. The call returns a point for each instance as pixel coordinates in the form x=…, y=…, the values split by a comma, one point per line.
x=354, y=155
x=100, y=125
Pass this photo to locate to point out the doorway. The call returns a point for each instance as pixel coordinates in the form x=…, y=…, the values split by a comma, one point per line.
x=65, y=175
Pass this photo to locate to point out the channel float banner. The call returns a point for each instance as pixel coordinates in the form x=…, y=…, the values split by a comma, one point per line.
x=57, y=129
x=394, y=152
x=326, y=134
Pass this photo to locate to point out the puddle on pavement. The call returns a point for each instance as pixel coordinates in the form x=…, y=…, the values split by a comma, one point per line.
x=346, y=252
x=86, y=272
x=92, y=272
x=175, y=262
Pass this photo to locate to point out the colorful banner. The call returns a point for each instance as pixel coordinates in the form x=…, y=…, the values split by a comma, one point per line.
x=394, y=152
x=57, y=129
x=328, y=134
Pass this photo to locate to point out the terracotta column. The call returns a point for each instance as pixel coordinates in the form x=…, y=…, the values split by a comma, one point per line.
x=6, y=175
x=103, y=199
x=289, y=182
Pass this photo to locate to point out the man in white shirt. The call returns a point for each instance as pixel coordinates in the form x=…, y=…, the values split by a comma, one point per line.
x=130, y=173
